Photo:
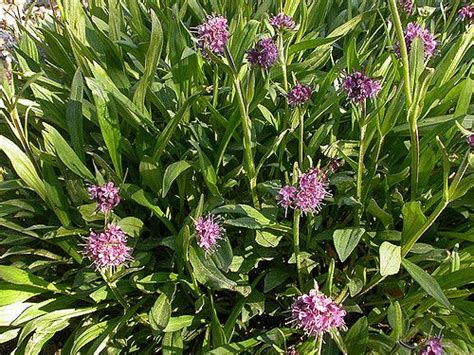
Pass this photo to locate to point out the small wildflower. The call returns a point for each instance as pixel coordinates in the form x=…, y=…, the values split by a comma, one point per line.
x=213, y=34
x=470, y=140
x=282, y=22
x=286, y=197
x=106, y=196
x=466, y=13
x=108, y=248
x=299, y=95
x=264, y=54
x=312, y=190
x=315, y=313
x=414, y=30
x=433, y=347
x=359, y=87
x=7, y=42
x=406, y=5
x=209, y=231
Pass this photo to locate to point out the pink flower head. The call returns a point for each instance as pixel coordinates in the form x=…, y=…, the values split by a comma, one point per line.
x=466, y=13
x=208, y=230
x=359, y=87
x=433, y=347
x=406, y=5
x=312, y=190
x=299, y=95
x=286, y=197
x=315, y=313
x=213, y=34
x=282, y=22
x=470, y=140
x=108, y=248
x=106, y=195
x=264, y=54
x=414, y=30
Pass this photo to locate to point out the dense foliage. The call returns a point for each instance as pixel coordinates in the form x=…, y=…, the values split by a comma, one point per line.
x=200, y=112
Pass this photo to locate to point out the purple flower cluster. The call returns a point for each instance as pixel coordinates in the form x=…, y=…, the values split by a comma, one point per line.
x=359, y=87
x=406, y=5
x=470, y=140
x=106, y=196
x=282, y=22
x=209, y=231
x=264, y=54
x=308, y=196
x=414, y=30
x=299, y=95
x=108, y=248
x=433, y=347
x=466, y=13
x=213, y=34
x=315, y=313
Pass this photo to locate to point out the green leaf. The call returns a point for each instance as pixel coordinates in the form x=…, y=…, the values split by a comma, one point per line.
x=132, y=226
x=172, y=343
x=395, y=319
x=17, y=293
x=345, y=241
x=66, y=153
x=390, y=259
x=23, y=166
x=427, y=282
x=413, y=220
x=17, y=276
x=206, y=271
x=74, y=114
x=171, y=173
x=109, y=124
x=160, y=313
x=165, y=137
x=267, y=239
x=178, y=323
x=357, y=337
x=151, y=61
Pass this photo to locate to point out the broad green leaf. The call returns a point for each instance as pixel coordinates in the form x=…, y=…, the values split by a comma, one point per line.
x=390, y=259
x=172, y=343
x=109, y=124
x=427, y=282
x=357, y=337
x=17, y=276
x=132, y=226
x=395, y=319
x=66, y=153
x=206, y=271
x=23, y=166
x=160, y=313
x=345, y=241
x=413, y=219
x=17, y=293
x=171, y=173
x=267, y=239
x=178, y=323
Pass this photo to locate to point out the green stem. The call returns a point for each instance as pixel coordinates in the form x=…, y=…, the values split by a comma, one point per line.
x=403, y=50
x=113, y=287
x=301, y=145
x=415, y=156
x=296, y=244
x=281, y=48
x=360, y=164
x=215, y=86
x=247, y=142
x=319, y=344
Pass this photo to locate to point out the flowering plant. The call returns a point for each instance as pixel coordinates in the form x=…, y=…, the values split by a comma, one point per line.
x=210, y=177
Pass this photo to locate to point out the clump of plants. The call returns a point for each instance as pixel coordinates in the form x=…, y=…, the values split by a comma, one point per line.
x=238, y=177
